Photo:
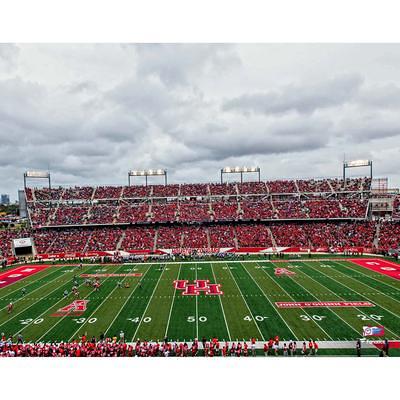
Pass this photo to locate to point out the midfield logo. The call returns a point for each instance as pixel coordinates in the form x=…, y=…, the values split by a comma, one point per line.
x=194, y=289
x=75, y=309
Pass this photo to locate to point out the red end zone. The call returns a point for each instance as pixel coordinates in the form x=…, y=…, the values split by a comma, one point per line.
x=16, y=274
x=381, y=266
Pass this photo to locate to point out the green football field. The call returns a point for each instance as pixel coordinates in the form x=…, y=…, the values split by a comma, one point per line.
x=152, y=307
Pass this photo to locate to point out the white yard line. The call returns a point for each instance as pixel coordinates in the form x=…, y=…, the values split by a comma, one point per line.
x=32, y=304
x=355, y=291
x=28, y=283
x=366, y=284
x=91, y=315
x=318, y=299
x=340, y=297
x=33, y=291
x=252, y=316
x=126, y=301
x=222, y=307
x=197, y=310
x=363, y=295
x=172, y=304
x=147, y=306
x=67, y=315
x=272, y=305
x=305, y=312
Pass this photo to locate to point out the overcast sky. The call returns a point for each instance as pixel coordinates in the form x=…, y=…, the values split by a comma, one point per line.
x=90, y=113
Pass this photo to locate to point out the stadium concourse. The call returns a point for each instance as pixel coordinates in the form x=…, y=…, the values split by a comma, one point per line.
x=282, y=215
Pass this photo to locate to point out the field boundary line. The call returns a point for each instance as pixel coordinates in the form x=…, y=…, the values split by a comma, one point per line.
x=197, y=309
x=252, y=316
x=129, y=297
x=94, y=311
x=272, y=305
x=341, y=297
x=65, y=316
x=353, y=290
x=305, y=312
x=22, y=280
x=380, y=305
x=318, y=299
x=34, y=303
x=172, y=303
x=33, y=291
x=30, y=323
x=147, y=306
x=368, y=276
x=222, y=307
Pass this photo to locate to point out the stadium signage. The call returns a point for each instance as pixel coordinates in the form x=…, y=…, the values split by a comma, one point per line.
x=194, y=289
x=313, y=304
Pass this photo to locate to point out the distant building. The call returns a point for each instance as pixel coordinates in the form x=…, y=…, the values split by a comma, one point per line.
x=5, y=199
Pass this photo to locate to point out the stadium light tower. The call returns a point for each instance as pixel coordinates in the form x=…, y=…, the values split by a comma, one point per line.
x=356, y=164
x=37, y=175
x=146, y=173
x=241, y=171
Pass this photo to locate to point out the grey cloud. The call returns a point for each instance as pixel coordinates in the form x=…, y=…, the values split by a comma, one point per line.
x=301, y=98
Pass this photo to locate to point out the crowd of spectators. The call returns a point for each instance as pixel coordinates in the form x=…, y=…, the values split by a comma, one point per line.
x=66, y=214
x=116, y=346
x=194, y=211
x=225, y=210
x=164, y=212
x=222, y=236
x=133, y=212
x=389, y=235
x=194, y=237
x=169, y=237
x=138, y=238
x=253, y=235
x=256, y=209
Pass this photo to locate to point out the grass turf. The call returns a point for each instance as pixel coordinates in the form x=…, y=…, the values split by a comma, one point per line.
x=154, y=309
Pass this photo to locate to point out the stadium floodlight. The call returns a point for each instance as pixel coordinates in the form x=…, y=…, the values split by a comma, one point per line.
x=356, y=164
x=37, y=175
x=146, y=173
x=241, y=171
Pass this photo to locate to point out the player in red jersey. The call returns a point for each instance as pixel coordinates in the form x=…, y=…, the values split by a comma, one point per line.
x=266, y=349
x=315, y=347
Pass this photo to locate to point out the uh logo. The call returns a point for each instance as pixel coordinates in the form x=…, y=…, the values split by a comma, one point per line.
x=198, y=286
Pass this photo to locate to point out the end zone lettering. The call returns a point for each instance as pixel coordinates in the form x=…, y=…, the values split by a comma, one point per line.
x=311, y=304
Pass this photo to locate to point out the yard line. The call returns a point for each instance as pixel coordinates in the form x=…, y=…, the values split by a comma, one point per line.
x=220, y=301
x=361, y=312
x=129, y=297
x=33, y=291
x=67, y=315
x=329, y=308
x=305, y=312
x=362, y=283
x=31, y=305
x=147, y=306
x=360, y=294
x=38, y=278
x=30, y=323
x=252, y=316
x=172, y=303
x=283, y=319
x=87, y=318
x=366, y=284
x=197, y=310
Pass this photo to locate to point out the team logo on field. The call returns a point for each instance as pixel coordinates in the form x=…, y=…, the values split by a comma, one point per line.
x=194, y=289
x=284, y=271
x=75, y=309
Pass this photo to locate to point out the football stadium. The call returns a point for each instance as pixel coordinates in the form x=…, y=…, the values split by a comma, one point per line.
x=242, y=267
